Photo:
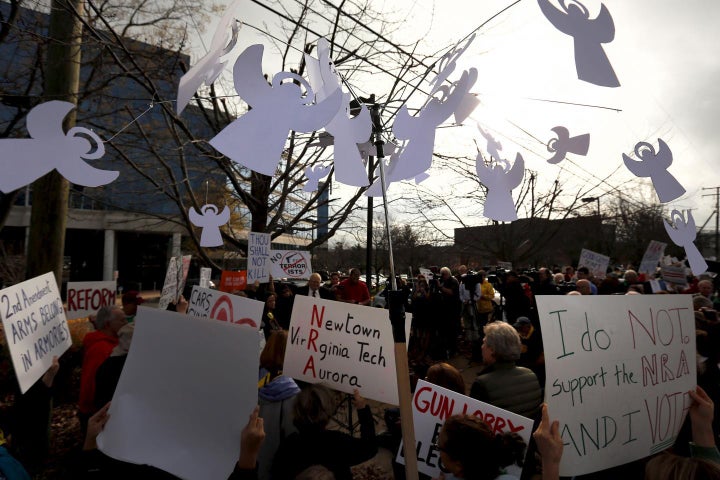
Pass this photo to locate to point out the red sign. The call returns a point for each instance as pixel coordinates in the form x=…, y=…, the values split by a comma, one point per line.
x=233, y=281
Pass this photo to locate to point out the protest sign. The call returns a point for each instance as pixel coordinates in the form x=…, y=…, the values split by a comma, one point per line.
x=343, y=345
x=35, y=327
x=175, y=277
x=258, y=262
x=206, y=303
x=674, y=274
x=86, y=298
x=618, y=372
x=652, y=257
x=432, y=405
x=290, y=264
x=205, y=277
x=188, y=385
x=595, y=262
x=232, y=281
x=505, y=265
x=427, y=273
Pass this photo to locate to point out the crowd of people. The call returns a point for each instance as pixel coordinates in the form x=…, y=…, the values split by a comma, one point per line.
x=287, y=435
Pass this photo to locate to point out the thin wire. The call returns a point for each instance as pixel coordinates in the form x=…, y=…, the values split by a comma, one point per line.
x=150, y=107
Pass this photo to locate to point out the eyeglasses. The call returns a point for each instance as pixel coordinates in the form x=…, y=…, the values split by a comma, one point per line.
x=437, y=447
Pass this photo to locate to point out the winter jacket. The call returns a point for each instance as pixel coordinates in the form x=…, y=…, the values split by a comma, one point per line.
x=509, y=387
x=276, y=400
x=98, y=347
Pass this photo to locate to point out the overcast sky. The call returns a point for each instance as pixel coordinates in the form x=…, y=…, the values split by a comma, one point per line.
x=666, y=55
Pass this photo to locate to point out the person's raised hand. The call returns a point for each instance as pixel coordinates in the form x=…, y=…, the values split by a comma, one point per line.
x=95, y=426
x=358, y=400
x=251, y=439
x=549, y=444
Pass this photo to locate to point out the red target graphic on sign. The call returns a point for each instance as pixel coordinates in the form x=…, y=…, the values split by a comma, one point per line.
x=223, y=311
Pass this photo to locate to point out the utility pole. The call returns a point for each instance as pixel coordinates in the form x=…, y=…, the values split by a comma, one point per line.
x=46, y=244
x=717, y=217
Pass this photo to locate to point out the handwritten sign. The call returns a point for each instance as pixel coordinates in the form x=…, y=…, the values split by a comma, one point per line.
x=290, y=264
x=258, y=263
x=232, y=281
x=618, y=372
x=652, y=257
x=206, y=303
x=432, y=405
x=674, y=274
x=86, y=298
x=177, y=368
x=344, y=346
x=175, y=277
x=35, y=327
x=205, y=277
x=595, y=262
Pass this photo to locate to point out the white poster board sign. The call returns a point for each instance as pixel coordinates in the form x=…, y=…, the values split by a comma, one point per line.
x=175, y=277
x=426, y=272
x=206, y=303
x=674, y=274
x=35, y=327
x=258, y=263
x=505, y=265
x=86, y=298
x=595, y=262
x=177, y=395
x=205, y=277
x=652, y=257
x=618, y=372
x=344, y=346
x=290, y=264
x=432, y=405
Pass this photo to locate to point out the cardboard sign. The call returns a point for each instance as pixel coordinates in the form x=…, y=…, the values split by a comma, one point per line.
x=618, y=372
x=86, y=298
x=344, y=346
x=432, y=405
x=232, y=281
x=652, y=257
x=176, y=395
x=206, y=303
x=595, y=262
x=35, y=327
x=290, y=264
x=258, y=262
x=205, y=277
x=675, y=275
x=175, y=277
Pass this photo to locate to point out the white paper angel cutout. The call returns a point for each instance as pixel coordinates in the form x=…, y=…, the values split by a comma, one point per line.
x=314, y=174
x=655, y=165
x=500, y=181
x=24, y=160
x=346, y=131
x=447, y=65
x=591, y=62
x=565, y=144
x=256, y=140
x=419, y=131
x=210, y=221
x=468, y=105
x=683, y=234
x=209, y=68
x=324, y=139
x=493, y=146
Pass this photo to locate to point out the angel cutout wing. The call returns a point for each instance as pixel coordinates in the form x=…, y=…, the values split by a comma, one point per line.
x=655, y=165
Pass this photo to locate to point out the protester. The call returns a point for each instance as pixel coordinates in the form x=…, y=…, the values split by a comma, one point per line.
x=446, y=376
x=352, y=290
x=108, y=374
x=450, y=309
x=269, y=323
x=98, y=346
x=501, y=383
x=470, y=450
x=315, y=289
x=276, y=394
x=130, y=302
x=313, y=444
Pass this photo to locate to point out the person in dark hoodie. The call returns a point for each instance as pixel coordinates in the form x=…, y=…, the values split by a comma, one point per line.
x=276, y=396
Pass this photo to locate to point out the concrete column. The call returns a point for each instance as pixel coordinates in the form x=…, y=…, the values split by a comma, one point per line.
x=176, y=239
x=109, y=256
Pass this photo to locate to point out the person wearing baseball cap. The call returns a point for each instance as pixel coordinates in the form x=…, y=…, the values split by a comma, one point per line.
x=130, y=302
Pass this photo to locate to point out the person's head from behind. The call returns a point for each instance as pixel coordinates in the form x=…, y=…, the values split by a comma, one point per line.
x=469, y=449
x=446, y=376
x=273, y=354
x=110, y=319
x=316, y=472
x=501, y=344
x=313, y=408
x=668, y=466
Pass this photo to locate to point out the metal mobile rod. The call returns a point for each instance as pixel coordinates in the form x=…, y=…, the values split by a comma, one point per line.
x=397, y=320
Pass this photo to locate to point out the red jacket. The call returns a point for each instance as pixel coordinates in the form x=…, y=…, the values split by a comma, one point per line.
x=98, y=347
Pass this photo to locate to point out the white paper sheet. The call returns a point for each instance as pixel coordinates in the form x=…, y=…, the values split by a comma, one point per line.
x=185, y=393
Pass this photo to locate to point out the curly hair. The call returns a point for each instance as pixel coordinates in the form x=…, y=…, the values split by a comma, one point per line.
x=482, y=454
